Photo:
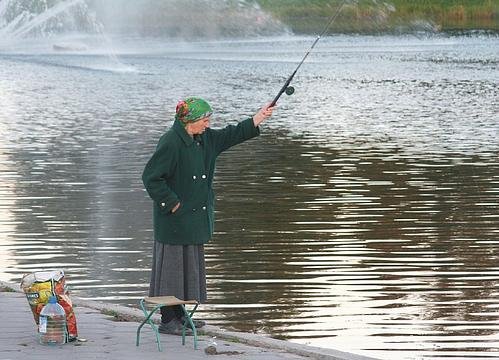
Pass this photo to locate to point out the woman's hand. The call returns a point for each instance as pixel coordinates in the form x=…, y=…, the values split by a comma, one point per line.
x=263, y=114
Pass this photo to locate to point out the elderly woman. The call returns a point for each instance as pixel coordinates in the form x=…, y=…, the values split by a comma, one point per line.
x=178, y=178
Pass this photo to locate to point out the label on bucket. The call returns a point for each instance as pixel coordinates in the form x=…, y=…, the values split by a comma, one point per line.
x=42, y=327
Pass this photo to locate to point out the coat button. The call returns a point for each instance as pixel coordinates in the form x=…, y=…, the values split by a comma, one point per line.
x=204, y=207
x=163, y=204
x=193, y=209
x=204, y=176
x=194, y=177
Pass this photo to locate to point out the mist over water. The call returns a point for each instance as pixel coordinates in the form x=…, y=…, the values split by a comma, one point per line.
x=364, y=218
x=44, y=18
x=188, y=19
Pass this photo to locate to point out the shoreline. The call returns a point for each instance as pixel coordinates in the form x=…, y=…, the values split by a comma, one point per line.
x=119, y=313
x=309, y=16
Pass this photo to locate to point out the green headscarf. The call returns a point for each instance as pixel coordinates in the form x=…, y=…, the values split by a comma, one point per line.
x=192, y=109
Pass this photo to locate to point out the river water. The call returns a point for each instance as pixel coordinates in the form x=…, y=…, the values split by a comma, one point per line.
x=365, y=217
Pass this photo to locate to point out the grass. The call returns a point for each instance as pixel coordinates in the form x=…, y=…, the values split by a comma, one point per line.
x=309, y=16
x=6, y=289
x=116, y=316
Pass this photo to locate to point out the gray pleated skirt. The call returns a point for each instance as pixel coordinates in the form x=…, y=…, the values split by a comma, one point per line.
x=178, y=270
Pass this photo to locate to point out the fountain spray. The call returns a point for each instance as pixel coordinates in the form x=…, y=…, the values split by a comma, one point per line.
x=286, y=88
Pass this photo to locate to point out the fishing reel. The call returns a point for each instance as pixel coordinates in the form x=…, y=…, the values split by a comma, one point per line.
x=289, y=90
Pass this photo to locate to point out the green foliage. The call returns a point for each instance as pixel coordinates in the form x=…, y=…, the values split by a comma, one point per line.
x=308, y=16
x=6, y=289
x=117, y=316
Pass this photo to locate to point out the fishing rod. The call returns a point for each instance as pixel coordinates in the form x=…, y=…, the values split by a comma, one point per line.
x=289, y=90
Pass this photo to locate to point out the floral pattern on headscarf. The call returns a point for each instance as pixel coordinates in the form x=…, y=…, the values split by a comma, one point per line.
x=192, y=109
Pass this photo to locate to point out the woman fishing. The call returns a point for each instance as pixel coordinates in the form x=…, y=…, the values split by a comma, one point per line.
x=179, y=178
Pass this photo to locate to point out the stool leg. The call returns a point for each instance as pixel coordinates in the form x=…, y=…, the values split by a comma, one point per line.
x=191, y=324
x=155, y=328
x=143, y=322
x=150, y=322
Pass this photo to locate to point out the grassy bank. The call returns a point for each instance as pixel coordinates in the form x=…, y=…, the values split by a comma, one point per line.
x=309, y=16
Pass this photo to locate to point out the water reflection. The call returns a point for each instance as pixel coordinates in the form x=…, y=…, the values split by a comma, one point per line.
x=359, y=244
x=368, y=223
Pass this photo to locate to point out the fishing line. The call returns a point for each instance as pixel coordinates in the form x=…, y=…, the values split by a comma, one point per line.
x=289, y=90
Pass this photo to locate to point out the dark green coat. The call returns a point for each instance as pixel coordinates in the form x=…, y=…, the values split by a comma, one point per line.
x=181, y=170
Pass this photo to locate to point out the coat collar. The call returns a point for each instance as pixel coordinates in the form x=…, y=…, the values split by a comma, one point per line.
x=180, y=130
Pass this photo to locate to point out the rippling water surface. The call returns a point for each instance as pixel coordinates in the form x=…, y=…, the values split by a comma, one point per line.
x=365, y=218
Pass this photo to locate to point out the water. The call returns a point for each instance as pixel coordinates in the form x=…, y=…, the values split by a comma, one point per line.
x=365, y=217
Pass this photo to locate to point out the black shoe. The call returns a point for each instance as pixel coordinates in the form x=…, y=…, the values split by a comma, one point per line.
x=173, y=327
x=197, y=323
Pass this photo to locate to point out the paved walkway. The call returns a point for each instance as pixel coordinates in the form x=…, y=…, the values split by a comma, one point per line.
x=110, y=339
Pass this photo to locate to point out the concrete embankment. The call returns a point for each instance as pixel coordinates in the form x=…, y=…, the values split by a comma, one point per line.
x=110, y=333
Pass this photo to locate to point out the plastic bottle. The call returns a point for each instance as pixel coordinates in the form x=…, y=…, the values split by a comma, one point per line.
x=52, y=325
